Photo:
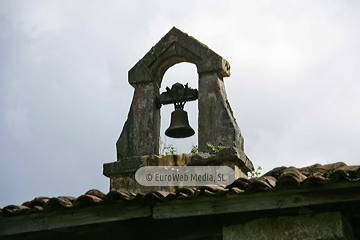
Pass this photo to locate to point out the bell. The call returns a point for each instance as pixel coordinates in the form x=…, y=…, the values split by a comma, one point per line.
x=179, y=125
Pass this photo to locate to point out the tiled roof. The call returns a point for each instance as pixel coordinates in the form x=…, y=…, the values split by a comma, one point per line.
x=278, y=179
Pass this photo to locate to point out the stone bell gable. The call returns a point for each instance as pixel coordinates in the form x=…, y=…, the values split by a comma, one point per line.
x=139, y=141
x=141, y=132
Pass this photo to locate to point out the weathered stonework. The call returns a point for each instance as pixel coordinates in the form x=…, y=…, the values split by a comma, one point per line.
x=215, y=113
x=141, y=133
x=122, y=173
x=328, y=225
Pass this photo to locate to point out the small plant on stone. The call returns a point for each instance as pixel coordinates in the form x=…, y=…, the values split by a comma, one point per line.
x=255, y=173
x=215, y=149
x=168, y=149
x=194, y=149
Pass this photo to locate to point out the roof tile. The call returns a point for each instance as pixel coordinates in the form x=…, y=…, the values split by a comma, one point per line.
x=277, y=179
x=39, y=201
x=96, y=193
x=87, y=200
x=58, y=202
x=13, y=210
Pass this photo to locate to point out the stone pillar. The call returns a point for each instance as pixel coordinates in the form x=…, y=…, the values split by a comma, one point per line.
x=217, y=124
x=141, y=132
x=328, y=225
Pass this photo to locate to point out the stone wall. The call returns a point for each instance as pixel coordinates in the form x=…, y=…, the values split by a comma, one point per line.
x=328, y=225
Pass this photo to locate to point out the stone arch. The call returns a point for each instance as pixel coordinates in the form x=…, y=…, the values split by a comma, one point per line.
x=141, y=132
x=176, y=47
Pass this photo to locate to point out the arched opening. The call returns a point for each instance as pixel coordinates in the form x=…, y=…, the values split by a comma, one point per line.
x=182, y=73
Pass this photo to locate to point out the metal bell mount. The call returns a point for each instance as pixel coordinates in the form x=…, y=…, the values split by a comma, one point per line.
x=179, y=124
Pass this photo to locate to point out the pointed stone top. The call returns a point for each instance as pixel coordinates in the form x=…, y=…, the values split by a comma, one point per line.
x=176, y=47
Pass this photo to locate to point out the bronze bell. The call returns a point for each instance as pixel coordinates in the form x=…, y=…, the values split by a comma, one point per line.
x=179, y=125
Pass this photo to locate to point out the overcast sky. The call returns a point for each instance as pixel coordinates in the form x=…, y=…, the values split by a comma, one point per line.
x=64, y=93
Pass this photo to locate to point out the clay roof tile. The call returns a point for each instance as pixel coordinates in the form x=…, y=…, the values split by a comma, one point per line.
x=275, y=180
